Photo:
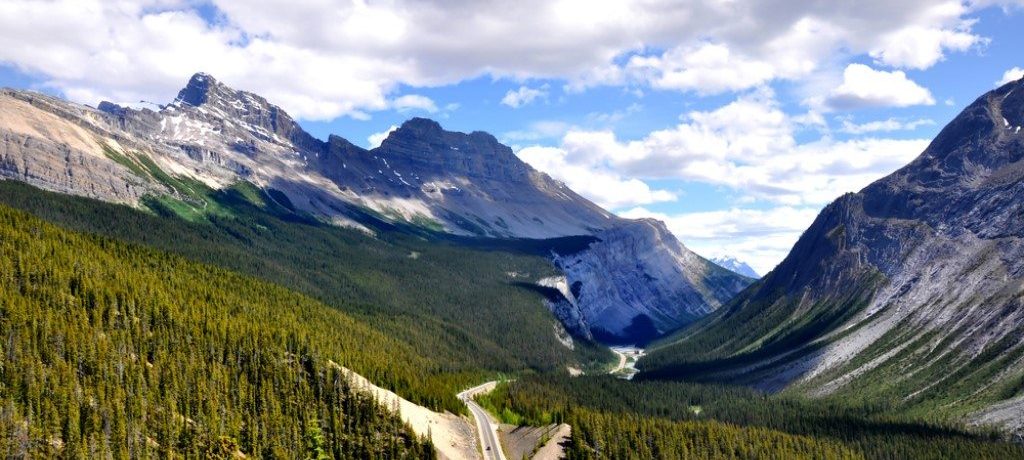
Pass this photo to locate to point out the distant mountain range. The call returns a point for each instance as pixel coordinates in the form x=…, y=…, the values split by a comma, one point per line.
x=633, y=282
x=735, y=265
x=910, y=291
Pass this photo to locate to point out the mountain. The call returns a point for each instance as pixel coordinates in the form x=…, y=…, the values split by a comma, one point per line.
x=638, y=282
x=735, y=265
x=212, y=137
x=910, y=291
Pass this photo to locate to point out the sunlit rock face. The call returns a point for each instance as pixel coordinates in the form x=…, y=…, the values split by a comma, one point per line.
x=639, y=282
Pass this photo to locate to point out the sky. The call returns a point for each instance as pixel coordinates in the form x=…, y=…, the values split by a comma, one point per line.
x=733, y=121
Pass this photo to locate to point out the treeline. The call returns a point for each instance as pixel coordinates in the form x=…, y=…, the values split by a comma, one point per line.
x=868, y=431
x=459, y=308
x=599, y=435
x=114, y=350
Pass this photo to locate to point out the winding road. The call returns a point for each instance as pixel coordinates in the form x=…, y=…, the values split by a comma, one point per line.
x=486, y=428
x=628, y=357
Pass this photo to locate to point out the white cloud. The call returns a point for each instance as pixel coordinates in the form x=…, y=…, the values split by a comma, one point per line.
x=707, y=69
x=523, y=96
x=602, y=186
x=888, y=125
x=748, y=145
x=760, y=237
x=375, y=139
x=940, y=27
x=410, y=102
x=1011, y=75
x=866, y=87
x=321, y=59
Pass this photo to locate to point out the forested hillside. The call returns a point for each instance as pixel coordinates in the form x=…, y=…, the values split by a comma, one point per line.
x=722, y=422
x=111, y=349
x=462, y=308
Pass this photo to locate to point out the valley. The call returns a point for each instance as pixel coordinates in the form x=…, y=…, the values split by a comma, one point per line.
x=209, y=279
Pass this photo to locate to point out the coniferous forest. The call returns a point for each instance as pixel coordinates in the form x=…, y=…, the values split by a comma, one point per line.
x=606, y=412
x=114, y=350
x=448, y=301
x=132, y=334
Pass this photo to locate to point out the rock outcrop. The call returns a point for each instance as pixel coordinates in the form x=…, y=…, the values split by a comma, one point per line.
x=639, y=282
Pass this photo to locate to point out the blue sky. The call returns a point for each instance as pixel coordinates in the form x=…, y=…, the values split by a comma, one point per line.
x=734, y=122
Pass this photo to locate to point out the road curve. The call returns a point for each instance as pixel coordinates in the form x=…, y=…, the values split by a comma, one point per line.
x=485, y=426
x=622, y=361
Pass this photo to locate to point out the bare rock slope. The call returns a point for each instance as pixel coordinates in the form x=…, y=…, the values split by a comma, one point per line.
x=911, y=290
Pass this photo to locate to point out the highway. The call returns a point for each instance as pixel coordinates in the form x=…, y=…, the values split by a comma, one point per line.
x=486, y=428
x=628, y=357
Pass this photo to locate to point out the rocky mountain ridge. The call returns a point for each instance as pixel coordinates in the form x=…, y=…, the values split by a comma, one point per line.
x=911, y=290
x=212, y=136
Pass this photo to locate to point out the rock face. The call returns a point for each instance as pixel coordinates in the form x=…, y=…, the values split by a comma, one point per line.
x=736, y=266
x=638, y=282
x=912, y=289
x=464, y=184
x=44, y=144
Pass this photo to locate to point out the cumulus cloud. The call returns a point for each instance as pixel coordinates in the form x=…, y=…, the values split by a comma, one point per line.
x=707, y=69
x=1011, y=75
x=601, y=185
x=941, y=28
x=524, y=96
x=888, y=125
x=320, y=60
x=866, y=87
x=749, y=145
x=760, y=237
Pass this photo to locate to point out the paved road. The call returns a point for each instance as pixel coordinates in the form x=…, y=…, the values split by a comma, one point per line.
x=627, y=369
x=486, y=428
x=622, y=361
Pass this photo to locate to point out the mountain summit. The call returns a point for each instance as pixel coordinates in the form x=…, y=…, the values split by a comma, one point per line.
x=735, y=265
x=212, y=136
x=911, y=290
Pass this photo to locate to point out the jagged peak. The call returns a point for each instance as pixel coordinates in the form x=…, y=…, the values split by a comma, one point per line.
x=203, y=89
x=111, y=108
x=425, y=129
x=206, y=97
x=420, y=124
x=197, y=91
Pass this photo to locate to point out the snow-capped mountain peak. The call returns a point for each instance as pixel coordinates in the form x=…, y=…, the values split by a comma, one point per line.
x=735, y=265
